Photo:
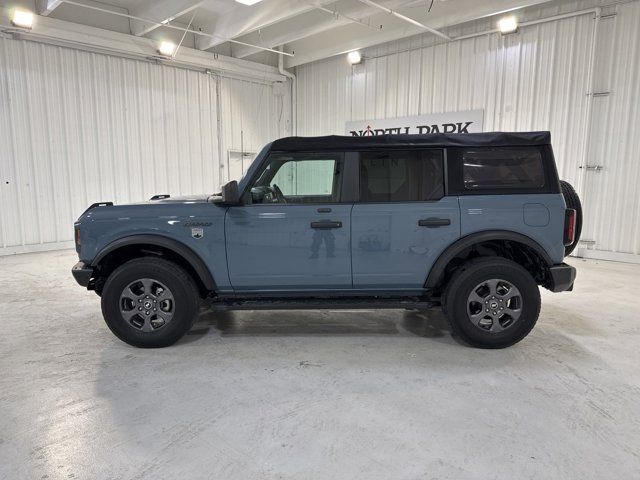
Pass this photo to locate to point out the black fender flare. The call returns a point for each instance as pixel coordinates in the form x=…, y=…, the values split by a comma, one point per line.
x=438, y=269
x=175, y=246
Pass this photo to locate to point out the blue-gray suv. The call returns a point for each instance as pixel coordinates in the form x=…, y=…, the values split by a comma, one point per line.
x=473, y=223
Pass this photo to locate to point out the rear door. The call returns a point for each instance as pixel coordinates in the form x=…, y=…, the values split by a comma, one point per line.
x=403, y=219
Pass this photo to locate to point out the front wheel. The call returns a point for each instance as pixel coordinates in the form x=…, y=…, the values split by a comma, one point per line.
x=492, y=302
x=150, y=302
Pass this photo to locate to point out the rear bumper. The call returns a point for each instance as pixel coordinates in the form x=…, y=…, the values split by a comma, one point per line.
x=562, y=277
x=82, y=273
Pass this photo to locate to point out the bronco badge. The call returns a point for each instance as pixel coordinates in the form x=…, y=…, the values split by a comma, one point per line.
x=197, y=232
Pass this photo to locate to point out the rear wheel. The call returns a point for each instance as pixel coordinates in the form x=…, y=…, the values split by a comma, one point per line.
x=572, y=200
x=150, y=302
x=492, y=302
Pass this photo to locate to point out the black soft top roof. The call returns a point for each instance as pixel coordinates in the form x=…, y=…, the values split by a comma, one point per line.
x=489, y=139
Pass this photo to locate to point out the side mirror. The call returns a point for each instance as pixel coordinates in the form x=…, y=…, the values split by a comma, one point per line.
x=230, y=193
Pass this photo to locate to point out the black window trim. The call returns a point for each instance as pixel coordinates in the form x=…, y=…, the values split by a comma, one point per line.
x=351, y=183
x=456, y=182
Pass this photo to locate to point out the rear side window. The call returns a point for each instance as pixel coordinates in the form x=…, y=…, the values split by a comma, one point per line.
x=401, y=175
x=502, y=168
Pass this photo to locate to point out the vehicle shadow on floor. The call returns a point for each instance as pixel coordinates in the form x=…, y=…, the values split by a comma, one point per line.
x=428, y=324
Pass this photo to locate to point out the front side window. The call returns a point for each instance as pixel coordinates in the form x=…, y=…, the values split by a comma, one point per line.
x=299, y=178
x=401, y=176
x=504, y=167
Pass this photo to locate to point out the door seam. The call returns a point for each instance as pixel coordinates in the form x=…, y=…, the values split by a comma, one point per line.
x=351, y=241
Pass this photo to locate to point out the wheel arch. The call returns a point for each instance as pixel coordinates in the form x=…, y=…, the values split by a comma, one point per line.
x=135, y=246
x=467, y=246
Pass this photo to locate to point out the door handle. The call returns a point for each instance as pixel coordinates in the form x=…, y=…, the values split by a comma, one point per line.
x=326, y=224
x=433, y=222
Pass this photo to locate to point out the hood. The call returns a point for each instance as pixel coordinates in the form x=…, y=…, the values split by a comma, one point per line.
x=155, y=200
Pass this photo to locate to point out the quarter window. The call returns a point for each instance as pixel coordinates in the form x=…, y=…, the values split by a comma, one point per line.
x=401, y=176
x=506, y=167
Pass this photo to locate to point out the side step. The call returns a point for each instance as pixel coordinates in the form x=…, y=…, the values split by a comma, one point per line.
x=341, y=303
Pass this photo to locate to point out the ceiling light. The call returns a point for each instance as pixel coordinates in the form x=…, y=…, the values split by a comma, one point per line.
x=167, y=48
x=22, y=18
x=248, y=2
x=508, y=25
x=354, y=57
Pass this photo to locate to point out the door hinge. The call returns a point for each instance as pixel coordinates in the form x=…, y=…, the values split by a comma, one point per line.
x=594, y=168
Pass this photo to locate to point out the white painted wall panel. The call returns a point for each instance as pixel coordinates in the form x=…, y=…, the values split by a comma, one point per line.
x=252, y=114
x=534, y=80
x=612, y=202
x=79, y=127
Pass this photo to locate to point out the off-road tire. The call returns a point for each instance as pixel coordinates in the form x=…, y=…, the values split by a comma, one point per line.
x=572, y=200
x=470, y=275
x=181, y=285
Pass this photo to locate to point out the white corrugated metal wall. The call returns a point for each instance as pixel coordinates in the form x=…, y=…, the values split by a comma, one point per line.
x=252, y=114
x=79, y=127
x=537, y=79
x=612, y=201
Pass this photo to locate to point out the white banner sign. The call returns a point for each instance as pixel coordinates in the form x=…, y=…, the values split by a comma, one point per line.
x=450, y=122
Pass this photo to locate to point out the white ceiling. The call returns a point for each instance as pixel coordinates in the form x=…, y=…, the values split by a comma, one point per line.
x=305, y=28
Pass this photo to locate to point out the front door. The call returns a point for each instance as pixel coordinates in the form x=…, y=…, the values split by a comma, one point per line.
x=293, y=233
x=403, y=221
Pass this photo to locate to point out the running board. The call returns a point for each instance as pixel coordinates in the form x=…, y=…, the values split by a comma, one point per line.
x=340, y=303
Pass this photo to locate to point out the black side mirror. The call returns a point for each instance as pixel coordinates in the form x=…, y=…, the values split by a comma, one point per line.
x=230, y=193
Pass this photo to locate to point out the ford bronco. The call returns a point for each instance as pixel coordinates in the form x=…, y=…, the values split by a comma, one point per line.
x=472, y=223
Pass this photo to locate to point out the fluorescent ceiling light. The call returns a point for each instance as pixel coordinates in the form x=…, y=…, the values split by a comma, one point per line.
x=22, y=18
x=248, y=2
x=508, y=24
x=167, y=48
x=354, y=57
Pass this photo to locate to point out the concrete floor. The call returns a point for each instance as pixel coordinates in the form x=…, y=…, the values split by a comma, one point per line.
x=317, y=395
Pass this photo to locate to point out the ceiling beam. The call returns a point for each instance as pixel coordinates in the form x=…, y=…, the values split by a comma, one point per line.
x=340, y=40
x=238, y=22
x=160, y=11
x=59, y=32
x=45, y=7
x=312, y=23
x=405, y=18
x=351, y=19
x=172, y=26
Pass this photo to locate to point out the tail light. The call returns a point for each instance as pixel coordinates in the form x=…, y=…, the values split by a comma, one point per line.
x=77, y=238
x=569, y=226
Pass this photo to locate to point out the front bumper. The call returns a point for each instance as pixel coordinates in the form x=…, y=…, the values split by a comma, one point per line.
x=562, y=277
x=82, y=273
